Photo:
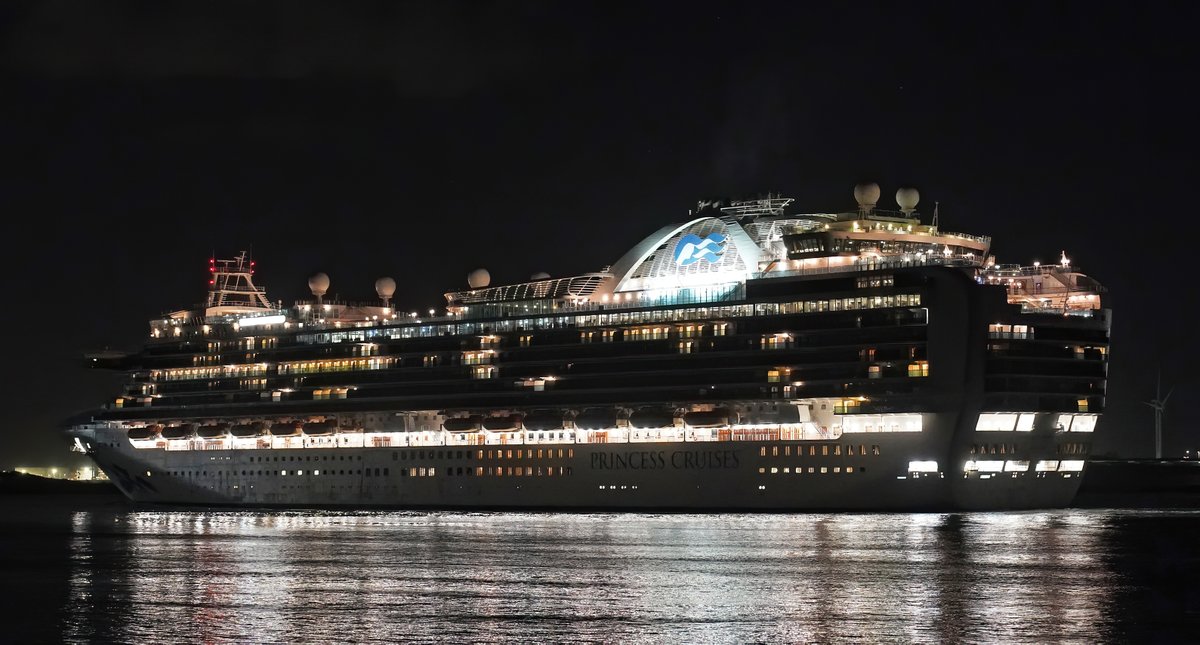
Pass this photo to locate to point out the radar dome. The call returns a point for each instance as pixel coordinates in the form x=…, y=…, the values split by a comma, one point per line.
x=907, y=198
x=385, y=287
x=867, y=195
x=318, y=284
x=540, y=275
x=479, y=278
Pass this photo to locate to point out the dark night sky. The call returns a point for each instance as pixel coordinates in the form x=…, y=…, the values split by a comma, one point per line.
x=423, y=140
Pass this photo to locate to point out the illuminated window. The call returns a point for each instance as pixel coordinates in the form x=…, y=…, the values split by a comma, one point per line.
x=919, y=368
x=875, y=371
x=776, y=341
x=996, y=422
x=526, y=340
x=483, y=357
x=483, y=372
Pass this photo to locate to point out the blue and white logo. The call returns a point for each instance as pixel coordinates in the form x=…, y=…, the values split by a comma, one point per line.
x=693, y=249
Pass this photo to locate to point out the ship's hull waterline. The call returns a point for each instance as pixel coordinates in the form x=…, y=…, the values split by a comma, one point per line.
x=853, y=472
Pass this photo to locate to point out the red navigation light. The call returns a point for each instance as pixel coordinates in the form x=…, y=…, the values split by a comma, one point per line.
x=210, y=281
x=251, y=262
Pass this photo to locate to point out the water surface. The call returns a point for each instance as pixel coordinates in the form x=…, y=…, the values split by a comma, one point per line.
x=114, y=573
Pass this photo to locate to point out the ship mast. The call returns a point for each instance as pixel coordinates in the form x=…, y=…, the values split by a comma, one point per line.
x=232, y=284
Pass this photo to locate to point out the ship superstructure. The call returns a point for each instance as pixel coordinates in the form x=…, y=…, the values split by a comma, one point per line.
x=748, y=358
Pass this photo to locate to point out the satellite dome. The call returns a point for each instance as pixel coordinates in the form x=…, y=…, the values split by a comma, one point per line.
x=385, y=287
x=907, y=198
x=540, y=275
x=867, y=195
x=318, y=284
x=479, y=278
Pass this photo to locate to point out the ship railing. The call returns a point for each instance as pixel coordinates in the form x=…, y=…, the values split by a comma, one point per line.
x=1017, y=270
x=876, y=265
x=805, y=431
x=1058, y=311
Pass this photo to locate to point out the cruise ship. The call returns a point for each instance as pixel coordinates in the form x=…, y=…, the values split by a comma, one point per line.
x=749, y=358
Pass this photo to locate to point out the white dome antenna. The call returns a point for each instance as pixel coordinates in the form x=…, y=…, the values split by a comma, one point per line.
x=319, y=285
x=540, y=275
x=386, y=288
x=479, y=278
x=908, y=198
x=867, y=195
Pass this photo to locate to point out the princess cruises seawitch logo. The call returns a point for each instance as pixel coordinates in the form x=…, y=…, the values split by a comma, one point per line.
x=692, y=249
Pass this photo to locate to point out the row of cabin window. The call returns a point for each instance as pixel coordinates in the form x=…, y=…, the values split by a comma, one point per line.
x=252, y=473
x=528, y=453
x=511, y=471
x=307, y=458
x=825, y=450
x=811, y=469
x=1071, y=449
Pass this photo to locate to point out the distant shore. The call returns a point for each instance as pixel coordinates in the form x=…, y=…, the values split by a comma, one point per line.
x=12, y=483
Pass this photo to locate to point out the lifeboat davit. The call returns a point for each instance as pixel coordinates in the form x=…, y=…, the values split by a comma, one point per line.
x=505, y=423
x=289, y=429
x=543, y=420
x=597, y=419
x=463, y=424
x=320, y=427
x=213, y=431
x=710, y=418
x=181, y=431
x=255, y=429
x=652, y=418
x=145, y=432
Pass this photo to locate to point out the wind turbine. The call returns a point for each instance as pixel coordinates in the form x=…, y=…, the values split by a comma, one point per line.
x=1159, y=403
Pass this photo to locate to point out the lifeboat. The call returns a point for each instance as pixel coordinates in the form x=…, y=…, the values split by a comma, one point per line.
x=255, y=429
x=543, y=420
x=326, y=427
x=213, y=431
x=463, y=424
x=146, y=432
x=597, y=419
x=652, y=418
x=506, y=423
x=289, y=429
x=181, y=431
x=710, y=418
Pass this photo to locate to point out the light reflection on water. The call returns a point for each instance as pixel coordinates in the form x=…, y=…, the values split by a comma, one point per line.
x=258, y=576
